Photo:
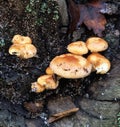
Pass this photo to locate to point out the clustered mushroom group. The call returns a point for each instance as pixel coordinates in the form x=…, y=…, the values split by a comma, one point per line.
x=22, y=47
x=74, y=65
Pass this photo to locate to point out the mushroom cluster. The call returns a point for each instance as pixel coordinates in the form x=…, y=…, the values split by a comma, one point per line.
x=74, y=65
x=22, y=47
x=44, y=82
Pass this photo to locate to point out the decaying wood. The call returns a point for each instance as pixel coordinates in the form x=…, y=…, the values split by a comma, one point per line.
x=61, y=115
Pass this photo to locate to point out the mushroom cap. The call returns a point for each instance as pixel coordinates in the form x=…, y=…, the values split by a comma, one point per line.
x=71, y=66
x=30, y=51
x=96, y=44
x=37, y=88
x=78, y=48
x=15, y=49
x=47, y=81
x=24, y=51
x=100, y=63
x=18, y=39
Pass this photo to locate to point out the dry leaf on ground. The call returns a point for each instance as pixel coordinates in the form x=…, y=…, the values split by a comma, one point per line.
x=61, y=115
x=89, y=14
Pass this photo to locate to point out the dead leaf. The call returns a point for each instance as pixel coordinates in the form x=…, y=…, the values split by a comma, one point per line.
x=89, y=14
x=60, y=115
x=34, y=107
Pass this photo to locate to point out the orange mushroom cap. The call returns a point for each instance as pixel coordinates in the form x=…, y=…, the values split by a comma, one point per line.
x=71, y=66
x=96, y=44
x=16, y=49
x=18, y=39
x=78, y=48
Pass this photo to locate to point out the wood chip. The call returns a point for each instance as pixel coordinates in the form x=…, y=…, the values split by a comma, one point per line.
x=61, y=115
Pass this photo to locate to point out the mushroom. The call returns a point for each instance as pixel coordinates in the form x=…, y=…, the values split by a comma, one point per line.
x=48, y=81
x=100, y=63
x=18, y=39
x=23, y=51
x=49, y=71
x=78, y=48
x=22, y=47
x=16, y=49
x=37, y=88
x=44, y=82
x=96, y=44
x=71, y=66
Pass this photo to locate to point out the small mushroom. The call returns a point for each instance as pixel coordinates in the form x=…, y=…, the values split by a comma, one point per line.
x=37, y=88
x=100, y=63
x=44, y=82
x=15, y=49
x=71, y=66
x=18, y=39
x=47, y=81
x=96, y=44
x=22, y=47
x=23, y=51
x=78, y=48
x=49, y=71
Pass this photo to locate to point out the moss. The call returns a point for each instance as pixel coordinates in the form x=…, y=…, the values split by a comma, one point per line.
x=43, y=9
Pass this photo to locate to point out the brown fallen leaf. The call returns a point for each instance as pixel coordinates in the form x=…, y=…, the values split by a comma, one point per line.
x=34, y=107
x=61, y=115
x=89, y=14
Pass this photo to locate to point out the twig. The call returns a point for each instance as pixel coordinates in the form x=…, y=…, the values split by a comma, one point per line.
x=63, y=114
